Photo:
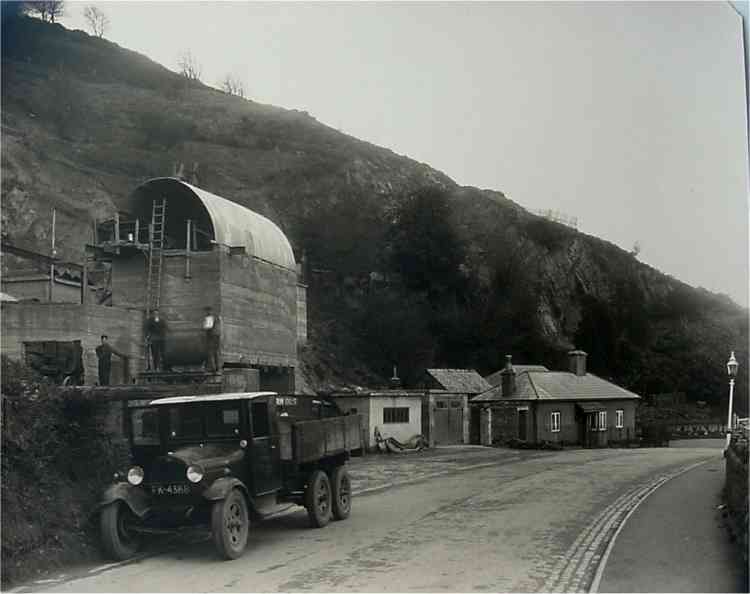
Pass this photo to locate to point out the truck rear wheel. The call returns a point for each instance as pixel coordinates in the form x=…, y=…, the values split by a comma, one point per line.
x=116, y=524
x=230, y=525
x=318, y=499
x=342, y=493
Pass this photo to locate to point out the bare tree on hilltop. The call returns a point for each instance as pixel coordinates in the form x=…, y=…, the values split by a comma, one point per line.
x=233, y=86
x=96, y=19
x=189, y=66
x=47, y=10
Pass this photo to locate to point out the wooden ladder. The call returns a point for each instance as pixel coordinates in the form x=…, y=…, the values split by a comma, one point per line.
x=156, y=245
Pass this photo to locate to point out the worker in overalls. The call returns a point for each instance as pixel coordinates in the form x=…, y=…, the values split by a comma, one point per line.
x=212, y=332
x=156, y=335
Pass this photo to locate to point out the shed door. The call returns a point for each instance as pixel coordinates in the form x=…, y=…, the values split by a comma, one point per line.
x=449, y=424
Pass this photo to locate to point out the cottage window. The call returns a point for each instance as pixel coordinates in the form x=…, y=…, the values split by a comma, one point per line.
x=555, y=422
x=602, y=421
x=620, y=420
x=396, y=414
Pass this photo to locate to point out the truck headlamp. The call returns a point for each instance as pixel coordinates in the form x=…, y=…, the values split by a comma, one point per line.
x=194, y=473
x=135, y=475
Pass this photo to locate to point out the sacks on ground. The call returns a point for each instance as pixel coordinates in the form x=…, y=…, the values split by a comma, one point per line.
x=393, y=446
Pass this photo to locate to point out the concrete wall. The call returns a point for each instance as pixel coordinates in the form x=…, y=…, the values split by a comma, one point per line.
x=259, y=312
x=256, y=300
x=32, y=322
x=38, y=288
x=301, y=314
x=399, y=431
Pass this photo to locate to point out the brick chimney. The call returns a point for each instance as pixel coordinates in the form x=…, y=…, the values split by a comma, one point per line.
x=508, y=378
x=577, y=362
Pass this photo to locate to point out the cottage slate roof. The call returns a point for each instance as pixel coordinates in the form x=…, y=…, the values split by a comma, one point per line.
x=465, y=381
x=559, y=385
x=495, y=379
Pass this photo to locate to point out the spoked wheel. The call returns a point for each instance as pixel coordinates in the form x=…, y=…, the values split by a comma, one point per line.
x=342, y=493
x=318, y=499
x=230, y=525
x=116, y=524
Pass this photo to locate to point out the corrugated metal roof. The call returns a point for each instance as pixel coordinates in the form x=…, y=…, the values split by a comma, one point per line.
x=494, y=379
x=236, y=225
x=460, y=380
x=558, y=385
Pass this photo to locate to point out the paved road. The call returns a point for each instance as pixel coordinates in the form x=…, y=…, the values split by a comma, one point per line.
x=676, y=540
x=528, y=523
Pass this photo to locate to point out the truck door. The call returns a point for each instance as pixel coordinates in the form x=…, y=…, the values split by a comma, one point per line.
x=265, y=447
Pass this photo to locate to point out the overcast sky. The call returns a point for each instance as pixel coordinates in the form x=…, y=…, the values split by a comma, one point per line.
x=628, y=116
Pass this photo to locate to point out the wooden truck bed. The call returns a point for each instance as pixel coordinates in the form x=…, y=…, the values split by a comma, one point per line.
x=308, y=441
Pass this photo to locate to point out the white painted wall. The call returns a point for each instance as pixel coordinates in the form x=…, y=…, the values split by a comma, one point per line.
x=399, y=431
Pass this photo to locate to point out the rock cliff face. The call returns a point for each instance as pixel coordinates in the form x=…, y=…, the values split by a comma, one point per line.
x=85, y=121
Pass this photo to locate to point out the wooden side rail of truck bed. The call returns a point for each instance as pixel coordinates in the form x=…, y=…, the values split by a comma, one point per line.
x=309, y=441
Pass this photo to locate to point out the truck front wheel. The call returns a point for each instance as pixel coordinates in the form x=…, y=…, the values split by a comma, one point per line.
x=118, y=537
x=230, y=525
x=318, y=499
x=342, y=493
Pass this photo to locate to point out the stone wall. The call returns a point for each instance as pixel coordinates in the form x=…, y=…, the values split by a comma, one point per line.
x=36, y=322
x=736, y=490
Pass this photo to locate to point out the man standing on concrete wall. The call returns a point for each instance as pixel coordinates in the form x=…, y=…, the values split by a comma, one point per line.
x=156, y=334
x=104, y=354
x=212, y=329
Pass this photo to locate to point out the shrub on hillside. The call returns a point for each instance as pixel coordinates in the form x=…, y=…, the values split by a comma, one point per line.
x=548, y=234
x=162, y=128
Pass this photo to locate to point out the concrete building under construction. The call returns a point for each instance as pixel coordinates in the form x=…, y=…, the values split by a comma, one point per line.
x=180, y=250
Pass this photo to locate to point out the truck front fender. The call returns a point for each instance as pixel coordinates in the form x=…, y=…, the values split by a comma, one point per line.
x=221, y=487
x=135, y=498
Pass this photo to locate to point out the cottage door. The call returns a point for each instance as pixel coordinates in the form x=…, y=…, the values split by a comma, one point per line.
x=522, y=417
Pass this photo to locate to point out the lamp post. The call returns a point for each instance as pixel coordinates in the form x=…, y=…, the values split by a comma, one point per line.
x=732, y=366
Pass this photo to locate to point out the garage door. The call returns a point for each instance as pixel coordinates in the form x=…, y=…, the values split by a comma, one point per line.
x=449, y=426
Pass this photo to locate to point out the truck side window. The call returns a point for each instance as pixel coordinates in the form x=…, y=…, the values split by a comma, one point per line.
x=259, y=413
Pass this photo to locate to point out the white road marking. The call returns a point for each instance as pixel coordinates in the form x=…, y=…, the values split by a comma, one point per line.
x=605, y=557
x=569, y=573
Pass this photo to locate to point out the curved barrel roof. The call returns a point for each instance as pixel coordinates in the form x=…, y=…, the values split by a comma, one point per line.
x=233, y=224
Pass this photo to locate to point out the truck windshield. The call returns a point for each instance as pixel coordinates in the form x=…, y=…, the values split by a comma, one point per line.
x=201, y=421
x=145, y=426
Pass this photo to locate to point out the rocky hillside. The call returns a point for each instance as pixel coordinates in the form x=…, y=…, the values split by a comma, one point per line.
x=404, y=266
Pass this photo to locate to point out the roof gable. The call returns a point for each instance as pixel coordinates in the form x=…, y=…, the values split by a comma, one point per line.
x=460, y=380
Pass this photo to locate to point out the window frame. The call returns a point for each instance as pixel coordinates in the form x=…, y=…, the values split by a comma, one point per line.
x=555, y=421
x=601, y=420
x=392, y=415
x=619, y=418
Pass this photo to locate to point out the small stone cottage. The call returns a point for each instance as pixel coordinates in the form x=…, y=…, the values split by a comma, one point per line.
x=536, y=405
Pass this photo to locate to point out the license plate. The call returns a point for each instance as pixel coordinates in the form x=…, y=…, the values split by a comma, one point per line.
x=170, y=490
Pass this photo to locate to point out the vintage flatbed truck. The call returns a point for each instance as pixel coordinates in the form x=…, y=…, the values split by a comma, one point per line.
x=226, y=460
